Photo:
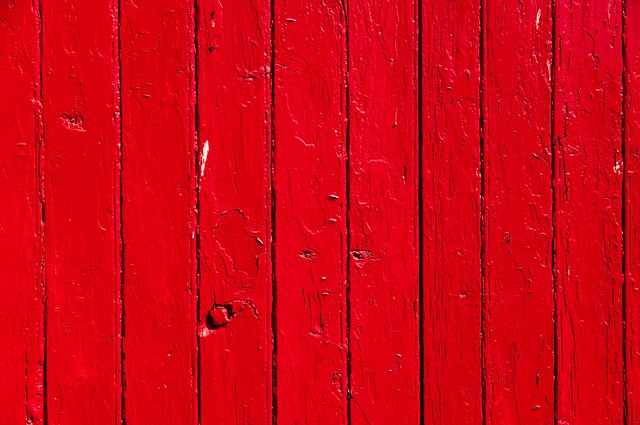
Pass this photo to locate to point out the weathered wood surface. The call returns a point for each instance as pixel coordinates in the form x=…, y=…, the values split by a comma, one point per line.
x=451, y=213
x=518, y=213
x=319, y=212
x=383, y=220
x=234, y=249
x=21, y=289
x=81, y=203
x=159, y=211
x=631, y=170
x=309, y=183
x=588, y=173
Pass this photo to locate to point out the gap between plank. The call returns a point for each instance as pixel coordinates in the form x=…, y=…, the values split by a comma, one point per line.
x=198, y=177
x=274, y=303
x=554, y=270
x=420, y=219
x=626, y=204
x=348, y=208
x=42, y=227
x=483, y=294
x=123, y=381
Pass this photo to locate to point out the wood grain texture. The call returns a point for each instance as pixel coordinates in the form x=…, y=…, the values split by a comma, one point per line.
x=518, y=234
x=451, y=212
x=234, y=92
x=588, y=239
x=159, y=217
x=21, y=291
x=81, y=155
x=319, y=212
x=632, y=206
x=383, y=212
x=310, y=216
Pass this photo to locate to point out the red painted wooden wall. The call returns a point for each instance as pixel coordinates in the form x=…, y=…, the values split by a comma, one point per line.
x=319, y=212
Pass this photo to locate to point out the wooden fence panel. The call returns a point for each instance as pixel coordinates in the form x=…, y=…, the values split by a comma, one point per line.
x=159, y=211
x=234, y=132
x=319, y=212
x=80, y=87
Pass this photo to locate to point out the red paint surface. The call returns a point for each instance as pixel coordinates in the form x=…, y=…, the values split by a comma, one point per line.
x=383, y=212
x=588, y=219
x=517, y=214
x=81, y=211
x=21, y=289
x=632, y=204
x=308, y=212
x=234, y=104
x=451, y=213
x=159, y=212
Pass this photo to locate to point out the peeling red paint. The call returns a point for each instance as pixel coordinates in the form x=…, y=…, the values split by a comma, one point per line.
x=319, y=212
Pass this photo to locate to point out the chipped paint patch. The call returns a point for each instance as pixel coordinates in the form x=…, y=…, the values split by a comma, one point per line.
x=617, y=168
x=205, y=155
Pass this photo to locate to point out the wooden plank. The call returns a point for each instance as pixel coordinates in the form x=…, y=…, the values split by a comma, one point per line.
x=310, y=226
x=588, y=238
x=159, y=218
x=81, y=158
x=234, y=101
x=451, y=212
x=21, y=317
x=631, y=204
x=518, y=199
x=383, y=218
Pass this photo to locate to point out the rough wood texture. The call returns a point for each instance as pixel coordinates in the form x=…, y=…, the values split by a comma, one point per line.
x=632, y=207
x=588, y=187
x=383, y=212
x=21, y=308
x=234, y=101
x=81, y=156
x=319, y=212
x=310, y=214
x=451, y=212
x=518, y=233
x=159, y=215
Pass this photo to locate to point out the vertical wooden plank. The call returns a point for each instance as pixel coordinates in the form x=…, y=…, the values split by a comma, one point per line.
x=588, y=239
x=451, y=212
x=81, y=155
x=310, y=189
x=21, y=317
x=383, y=219
x=632, y=203
x=159, y=220
x=518, y=198
x=234, y=108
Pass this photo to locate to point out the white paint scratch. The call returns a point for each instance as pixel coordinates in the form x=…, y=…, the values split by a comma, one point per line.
x=203, y=160
x=538, y=19
x=617, y=168
x=204, y=331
